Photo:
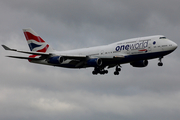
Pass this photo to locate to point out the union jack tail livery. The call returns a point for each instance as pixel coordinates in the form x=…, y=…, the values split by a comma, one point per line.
x=35, y=42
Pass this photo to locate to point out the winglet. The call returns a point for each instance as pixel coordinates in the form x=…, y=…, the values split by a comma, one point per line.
x=7, y=48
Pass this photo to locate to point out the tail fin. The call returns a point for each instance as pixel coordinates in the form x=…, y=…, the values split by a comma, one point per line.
x=35, y=42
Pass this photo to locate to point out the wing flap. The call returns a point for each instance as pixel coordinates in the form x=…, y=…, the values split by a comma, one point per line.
x=29, y=58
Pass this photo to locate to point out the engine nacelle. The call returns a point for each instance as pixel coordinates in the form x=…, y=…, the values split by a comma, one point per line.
x=94, y=62
x=141, y=63
x=56, y=60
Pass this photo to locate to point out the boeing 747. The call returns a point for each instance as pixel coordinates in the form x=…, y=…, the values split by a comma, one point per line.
x=136, y=51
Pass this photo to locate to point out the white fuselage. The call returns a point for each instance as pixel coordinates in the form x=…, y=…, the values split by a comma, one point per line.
x=135, y=45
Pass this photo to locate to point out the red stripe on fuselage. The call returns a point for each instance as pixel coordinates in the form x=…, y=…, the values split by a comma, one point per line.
x=143, y=50
x=30, y=36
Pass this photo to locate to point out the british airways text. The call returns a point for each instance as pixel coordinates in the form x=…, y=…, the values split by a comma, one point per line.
x=134, y=46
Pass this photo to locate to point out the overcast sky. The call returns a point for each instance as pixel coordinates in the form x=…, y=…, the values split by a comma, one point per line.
x=30, y=91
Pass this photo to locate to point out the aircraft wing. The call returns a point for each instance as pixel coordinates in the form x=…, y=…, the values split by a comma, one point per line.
x=43, y=55
x=79, y=60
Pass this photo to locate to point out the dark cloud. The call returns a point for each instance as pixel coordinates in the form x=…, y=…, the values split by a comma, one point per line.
x=31, y=91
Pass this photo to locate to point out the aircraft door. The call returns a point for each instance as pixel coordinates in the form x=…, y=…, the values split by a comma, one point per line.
x=101, y=52
x=129, y=51
x=149, y=46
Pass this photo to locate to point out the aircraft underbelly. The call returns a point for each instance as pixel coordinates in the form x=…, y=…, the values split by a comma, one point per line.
x=144, y=56
x=136, y=57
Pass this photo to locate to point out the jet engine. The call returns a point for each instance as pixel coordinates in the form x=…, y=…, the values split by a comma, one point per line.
x=56, y=60
x=141, y=63
x=94, y=62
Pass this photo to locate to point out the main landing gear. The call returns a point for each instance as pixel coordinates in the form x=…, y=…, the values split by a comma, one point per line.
x=160, y=62
x=99, y=70
x=117, y=70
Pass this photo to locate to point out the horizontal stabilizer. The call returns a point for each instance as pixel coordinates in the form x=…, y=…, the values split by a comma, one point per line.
x=7, y=48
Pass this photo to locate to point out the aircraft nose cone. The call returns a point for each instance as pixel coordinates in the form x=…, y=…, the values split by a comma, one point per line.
x=174, y=45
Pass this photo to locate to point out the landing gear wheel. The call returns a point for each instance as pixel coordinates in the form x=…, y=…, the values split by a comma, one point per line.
x=106, y=71
x=116, y=73
x=160, y=64
x=99, y=71
x=102, y=72
x=118, y=69
x=94, y=72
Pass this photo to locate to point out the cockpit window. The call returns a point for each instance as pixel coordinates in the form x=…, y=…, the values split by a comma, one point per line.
x=162, y=38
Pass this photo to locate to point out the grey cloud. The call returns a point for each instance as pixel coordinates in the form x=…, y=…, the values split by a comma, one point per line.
x=76, y=13
x=132, y=14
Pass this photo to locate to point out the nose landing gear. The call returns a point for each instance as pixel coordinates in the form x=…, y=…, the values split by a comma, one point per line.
x=118, y=69
x=160, y=62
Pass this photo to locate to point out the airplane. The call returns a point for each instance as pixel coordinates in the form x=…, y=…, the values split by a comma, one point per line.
x=136, y=51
